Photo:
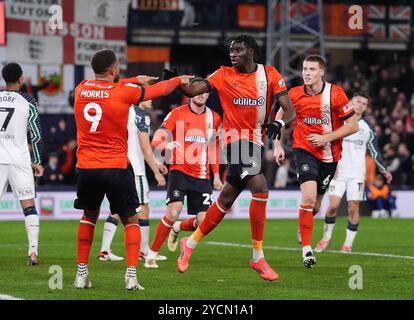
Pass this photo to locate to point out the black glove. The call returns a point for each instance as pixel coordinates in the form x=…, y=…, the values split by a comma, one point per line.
x=274, y=129
x=168, y=74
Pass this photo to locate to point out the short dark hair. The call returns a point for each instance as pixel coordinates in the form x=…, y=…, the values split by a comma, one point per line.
x=248, y=41
x=196, y=79
x=12, y=72
x=316, y=58
x=102, y=60
x=361, y=94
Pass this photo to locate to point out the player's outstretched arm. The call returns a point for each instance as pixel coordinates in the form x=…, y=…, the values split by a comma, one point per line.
x=165, y=87
x=194, y=89
x=350, y=126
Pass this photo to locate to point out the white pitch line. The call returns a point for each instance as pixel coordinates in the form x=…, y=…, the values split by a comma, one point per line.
x=371, y=254
x=7, y=297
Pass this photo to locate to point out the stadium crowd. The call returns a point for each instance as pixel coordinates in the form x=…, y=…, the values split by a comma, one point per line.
x=391, y=111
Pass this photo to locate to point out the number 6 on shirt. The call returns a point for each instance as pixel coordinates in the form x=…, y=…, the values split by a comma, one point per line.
x=94, y=119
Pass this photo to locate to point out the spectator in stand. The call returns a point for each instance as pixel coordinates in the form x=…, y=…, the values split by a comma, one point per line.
x=52, y=173
x=282, y=175
x=381, y=199
x=67, y=160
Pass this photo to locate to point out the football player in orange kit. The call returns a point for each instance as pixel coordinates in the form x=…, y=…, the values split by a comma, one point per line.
x=247, y=92
x=101, y=114
x=324, y=115
x=193, y=130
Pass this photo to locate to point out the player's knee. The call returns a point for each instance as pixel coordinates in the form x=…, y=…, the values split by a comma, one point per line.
x=144, y=213
x=172, y=215
x=353, y=208
x=127, y=220
x=308, y=200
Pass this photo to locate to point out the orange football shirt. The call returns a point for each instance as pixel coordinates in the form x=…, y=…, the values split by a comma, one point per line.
x=247, y=99
x=195, y=133
x=101, y=116
x=320, y=114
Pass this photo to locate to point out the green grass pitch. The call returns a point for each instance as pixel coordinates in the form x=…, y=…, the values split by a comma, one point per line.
x=219, y=272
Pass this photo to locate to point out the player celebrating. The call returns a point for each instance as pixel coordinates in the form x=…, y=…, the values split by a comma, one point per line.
x=247, y=91
x=101, y=114
x=139, y=148
x=350, y=176
x=18, y=114
x=321, y=110
x=197, y=125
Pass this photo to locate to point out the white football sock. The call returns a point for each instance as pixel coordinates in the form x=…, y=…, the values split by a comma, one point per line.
x=191, y=243
x=151, y=254
x=145, y=230
x=131, y=272
x=82, y=269
x=305, y=250
x=108, y=236
x=327, y=231
x=177, y=226
x=32, y=229
x=350, y=237
x=257, y=255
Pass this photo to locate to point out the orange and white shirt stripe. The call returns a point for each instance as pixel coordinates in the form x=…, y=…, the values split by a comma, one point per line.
x=320, y=114
x=246, y=99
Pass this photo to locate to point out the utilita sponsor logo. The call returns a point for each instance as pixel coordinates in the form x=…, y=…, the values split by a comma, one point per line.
x=248, y=102
x=312, y=121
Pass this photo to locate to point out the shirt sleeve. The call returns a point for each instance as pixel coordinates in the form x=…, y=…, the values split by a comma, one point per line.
x=133, y=93
x=35, y=131
x=170, y=121
x=278, y=85
x=374, y=149
x=142, y=120
x=215, y=80
x=343, y=104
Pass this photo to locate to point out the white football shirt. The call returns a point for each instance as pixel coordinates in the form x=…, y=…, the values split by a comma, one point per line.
x=18, y=115
x=354, y=148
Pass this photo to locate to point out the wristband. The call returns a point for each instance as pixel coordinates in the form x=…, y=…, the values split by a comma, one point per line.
x=281, y=122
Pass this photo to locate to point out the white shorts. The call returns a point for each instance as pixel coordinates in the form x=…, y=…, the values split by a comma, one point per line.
x=20, y=178
x=355, y=188
x=142, y=189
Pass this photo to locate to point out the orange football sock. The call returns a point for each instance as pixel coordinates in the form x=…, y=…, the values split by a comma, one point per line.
x=132, y=243
x=257, y=212
x=163, y=229
x=213, y=216
x=84, y=239
x=306, y=224
x=188, y=225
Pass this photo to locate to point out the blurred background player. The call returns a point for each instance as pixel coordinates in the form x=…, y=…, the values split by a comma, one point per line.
x=197, y=125
x=19, y=114
x=350, y=176
x=381, y=199
x=247, y=92
x=139, y=148
x=102, y=109
x=321, y=111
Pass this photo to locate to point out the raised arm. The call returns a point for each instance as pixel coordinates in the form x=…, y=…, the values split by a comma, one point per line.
x=195, y=89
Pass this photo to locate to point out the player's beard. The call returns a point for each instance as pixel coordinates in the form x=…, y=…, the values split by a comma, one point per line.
x=116, y=79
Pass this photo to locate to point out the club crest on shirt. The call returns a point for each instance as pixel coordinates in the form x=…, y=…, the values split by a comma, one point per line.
x=281, y=83
x=261, y=85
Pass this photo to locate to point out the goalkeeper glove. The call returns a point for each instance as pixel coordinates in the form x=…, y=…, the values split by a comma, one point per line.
x=168, y=74
x=274, y=129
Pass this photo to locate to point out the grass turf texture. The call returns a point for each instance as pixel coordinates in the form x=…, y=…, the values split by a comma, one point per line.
x=217, y=272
